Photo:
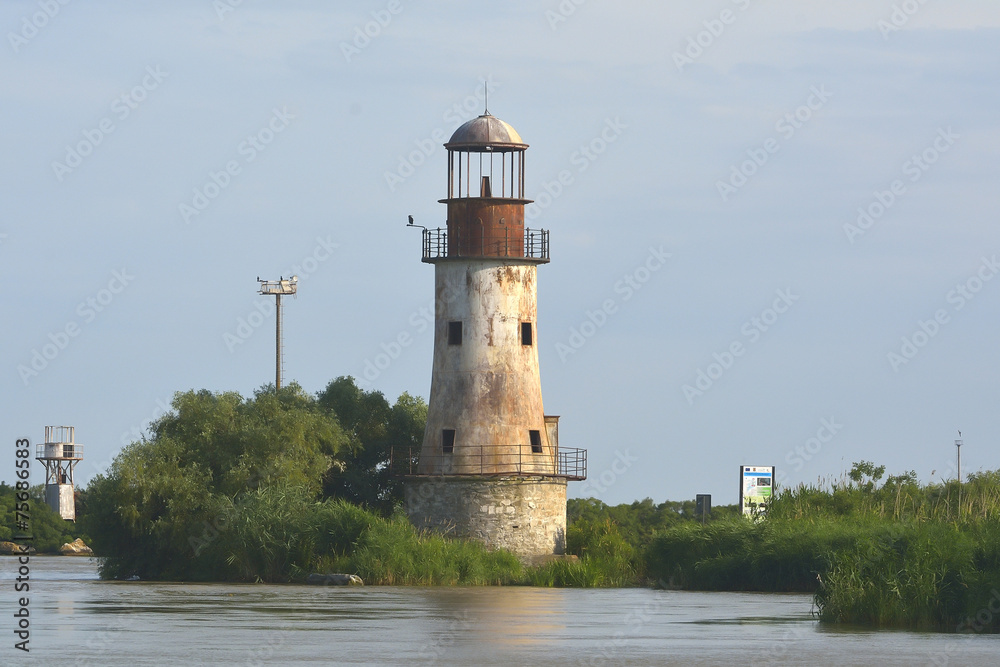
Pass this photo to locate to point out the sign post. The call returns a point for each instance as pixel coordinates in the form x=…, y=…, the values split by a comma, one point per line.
x=756, y=489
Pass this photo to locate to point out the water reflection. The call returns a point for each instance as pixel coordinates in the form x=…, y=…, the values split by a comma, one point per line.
x=496, y=617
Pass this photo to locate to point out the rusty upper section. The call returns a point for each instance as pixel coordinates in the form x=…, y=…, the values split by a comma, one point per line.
x=486, y=133
x=481, y=227
x=486, y=197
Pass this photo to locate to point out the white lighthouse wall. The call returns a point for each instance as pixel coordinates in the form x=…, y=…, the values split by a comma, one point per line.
x=487, y=389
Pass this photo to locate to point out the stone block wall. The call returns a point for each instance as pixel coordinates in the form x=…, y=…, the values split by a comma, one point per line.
x=526, y=515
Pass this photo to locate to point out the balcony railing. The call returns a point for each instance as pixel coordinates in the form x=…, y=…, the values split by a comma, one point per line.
x=533, y=245
x=435, y=243
x=569, y=463
x=58, y=450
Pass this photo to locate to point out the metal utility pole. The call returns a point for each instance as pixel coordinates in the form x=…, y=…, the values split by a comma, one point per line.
x=278, y=288
x=958, y=447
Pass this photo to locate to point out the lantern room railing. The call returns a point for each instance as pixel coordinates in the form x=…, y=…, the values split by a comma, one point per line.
x=533, y=245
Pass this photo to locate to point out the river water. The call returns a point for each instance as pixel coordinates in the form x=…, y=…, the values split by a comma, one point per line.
x=80, y=620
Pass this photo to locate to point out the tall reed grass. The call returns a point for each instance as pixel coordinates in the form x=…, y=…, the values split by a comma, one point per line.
x=279, y=534
x=892, y=555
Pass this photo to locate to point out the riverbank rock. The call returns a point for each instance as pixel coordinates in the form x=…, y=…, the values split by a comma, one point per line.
x=9, y=548
x=76, y=548
x=317, y=579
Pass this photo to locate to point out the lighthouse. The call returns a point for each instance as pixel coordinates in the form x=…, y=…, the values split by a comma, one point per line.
x=490, y=466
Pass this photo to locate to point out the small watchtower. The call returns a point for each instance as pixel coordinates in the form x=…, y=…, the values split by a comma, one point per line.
x=60, y=454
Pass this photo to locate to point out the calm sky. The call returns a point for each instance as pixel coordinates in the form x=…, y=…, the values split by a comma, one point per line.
x=773, y=224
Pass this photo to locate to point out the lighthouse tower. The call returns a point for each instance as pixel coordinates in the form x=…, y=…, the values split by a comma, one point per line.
x=490, y=467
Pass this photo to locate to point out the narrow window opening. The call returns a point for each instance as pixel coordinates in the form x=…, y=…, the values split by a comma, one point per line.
x=526, y=336
x=536, y=441
x=454, y=333
x=448, y=440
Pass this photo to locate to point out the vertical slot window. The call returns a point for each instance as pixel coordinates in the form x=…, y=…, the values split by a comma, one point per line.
x=448, y=440
x=454, y=333
x=526, y=334
x=536, y=441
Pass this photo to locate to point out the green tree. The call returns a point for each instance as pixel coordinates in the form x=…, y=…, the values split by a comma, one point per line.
x=373, y=428
x=166, y=498
x=866, y=474
x=248, y=443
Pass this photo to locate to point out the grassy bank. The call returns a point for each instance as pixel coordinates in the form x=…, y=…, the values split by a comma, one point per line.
x=282, y=534
x=920, y=575
x=895, y=554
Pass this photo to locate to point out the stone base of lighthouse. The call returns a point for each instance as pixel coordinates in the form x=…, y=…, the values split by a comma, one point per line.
x=523, y=514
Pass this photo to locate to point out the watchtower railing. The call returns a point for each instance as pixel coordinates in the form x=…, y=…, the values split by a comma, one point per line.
x=58, y=450
x=568, y=462
x=535, y=244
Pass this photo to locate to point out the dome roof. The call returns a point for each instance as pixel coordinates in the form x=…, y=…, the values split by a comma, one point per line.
x=485, y=133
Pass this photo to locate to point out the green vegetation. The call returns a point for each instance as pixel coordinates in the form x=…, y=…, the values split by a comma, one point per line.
x=392, y=552
x=372, y=427
x=891, y=555
x=49, y=529
x=282, y=484
x=172, y=506
x=612, y=541
x=276, y=486
x=877, y=553
x=281, y=534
